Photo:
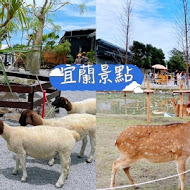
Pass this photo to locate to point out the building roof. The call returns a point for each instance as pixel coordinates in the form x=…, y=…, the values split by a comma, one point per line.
x=91, y=32
x=109, y=45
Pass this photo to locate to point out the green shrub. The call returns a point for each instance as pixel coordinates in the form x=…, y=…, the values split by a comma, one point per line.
x=63, y=47
x=91, y=56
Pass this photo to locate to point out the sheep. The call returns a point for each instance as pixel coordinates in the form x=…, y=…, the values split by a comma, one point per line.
x=162, y=143
x=84, y=124
x=85, y=106
x=41, y=143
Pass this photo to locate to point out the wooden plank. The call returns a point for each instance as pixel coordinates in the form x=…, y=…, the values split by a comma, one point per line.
x=16, y=88
x=53, y=95
x=9, y=104
x=148, y=102
x=181, y=91
x=115, y=91
x=148, y=91
x=45, y=86
x=49, y=97
x=37, y=102
x=30, y=100
x=50, y=90
x=27, y=76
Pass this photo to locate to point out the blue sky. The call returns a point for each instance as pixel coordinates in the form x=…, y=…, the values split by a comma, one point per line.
x=69, y=17
x=153, y=22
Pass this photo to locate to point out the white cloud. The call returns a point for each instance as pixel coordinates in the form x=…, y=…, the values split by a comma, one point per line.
x=66, y=27
x=73, y=8
x=56, y=73
x=86, y=2
x=3, y=46
x=138, y=90
x=131, y=86
x=39, y=3
x=76, y=2
x=74, y=11
x=148, y=26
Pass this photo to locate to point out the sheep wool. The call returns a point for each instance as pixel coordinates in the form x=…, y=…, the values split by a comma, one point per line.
x=42, y=142
x=85, y=106
x=83, y=124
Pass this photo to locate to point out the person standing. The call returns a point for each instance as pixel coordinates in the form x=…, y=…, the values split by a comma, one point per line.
x=84, y=59
x=175, y=77
x=183, y=77
x=78, y=59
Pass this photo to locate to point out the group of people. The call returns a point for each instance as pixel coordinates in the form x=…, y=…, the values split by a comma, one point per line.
x=81, y=59
x=179, y=76
x=151, y=76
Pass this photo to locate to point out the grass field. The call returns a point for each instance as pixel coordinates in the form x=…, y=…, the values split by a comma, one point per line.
x=109, y=126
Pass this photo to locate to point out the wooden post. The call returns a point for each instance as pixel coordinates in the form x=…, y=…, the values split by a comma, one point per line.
x=31, y=98
x=43, y=103
x=120, y=107
x=181, y=99
x=137, y=105
x=125, y=97
x=148, y=102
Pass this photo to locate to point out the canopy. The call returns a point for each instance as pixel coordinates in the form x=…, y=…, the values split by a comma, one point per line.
x=158, y=66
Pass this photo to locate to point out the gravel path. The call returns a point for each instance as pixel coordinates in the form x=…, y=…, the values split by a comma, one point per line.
x=82, y=175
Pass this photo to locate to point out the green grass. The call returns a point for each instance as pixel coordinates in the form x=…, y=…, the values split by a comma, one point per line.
x=108, y=128
x=114, y=103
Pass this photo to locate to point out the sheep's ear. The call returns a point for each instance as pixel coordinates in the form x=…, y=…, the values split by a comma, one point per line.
x=66, y=101
x=29, y=119
x=1, y=127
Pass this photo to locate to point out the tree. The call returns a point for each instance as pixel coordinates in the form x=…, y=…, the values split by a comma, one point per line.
x=11, y=9
x=125, y=23
x=138, y=49
x=49, y=6
x=49, y=40
x=145, y=56
x=156, y=55
x=177, y=61
x=33, y=25
x=183, y=24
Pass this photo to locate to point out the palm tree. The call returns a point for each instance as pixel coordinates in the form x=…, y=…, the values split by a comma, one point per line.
x=10, y=9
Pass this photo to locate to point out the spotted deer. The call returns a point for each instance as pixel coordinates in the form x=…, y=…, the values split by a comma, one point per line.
x=185, y=108
x=155, y=143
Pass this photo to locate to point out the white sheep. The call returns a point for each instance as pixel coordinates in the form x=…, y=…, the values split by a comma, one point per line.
x=84, y=124
x=85, y=106
x=41, y=143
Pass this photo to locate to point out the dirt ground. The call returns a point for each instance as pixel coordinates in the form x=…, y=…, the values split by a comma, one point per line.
x=82, y=175
x=108, y=128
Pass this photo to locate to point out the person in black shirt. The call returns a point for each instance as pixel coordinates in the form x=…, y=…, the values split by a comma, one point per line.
x=175, y=77
x=84, y=59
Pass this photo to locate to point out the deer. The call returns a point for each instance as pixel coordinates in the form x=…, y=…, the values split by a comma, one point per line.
x=155, y=143
x=185, y=108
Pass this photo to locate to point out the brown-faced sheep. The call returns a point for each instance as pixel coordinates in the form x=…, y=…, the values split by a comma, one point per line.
x=84, y=124
x=85, y=106
x=41, y=143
